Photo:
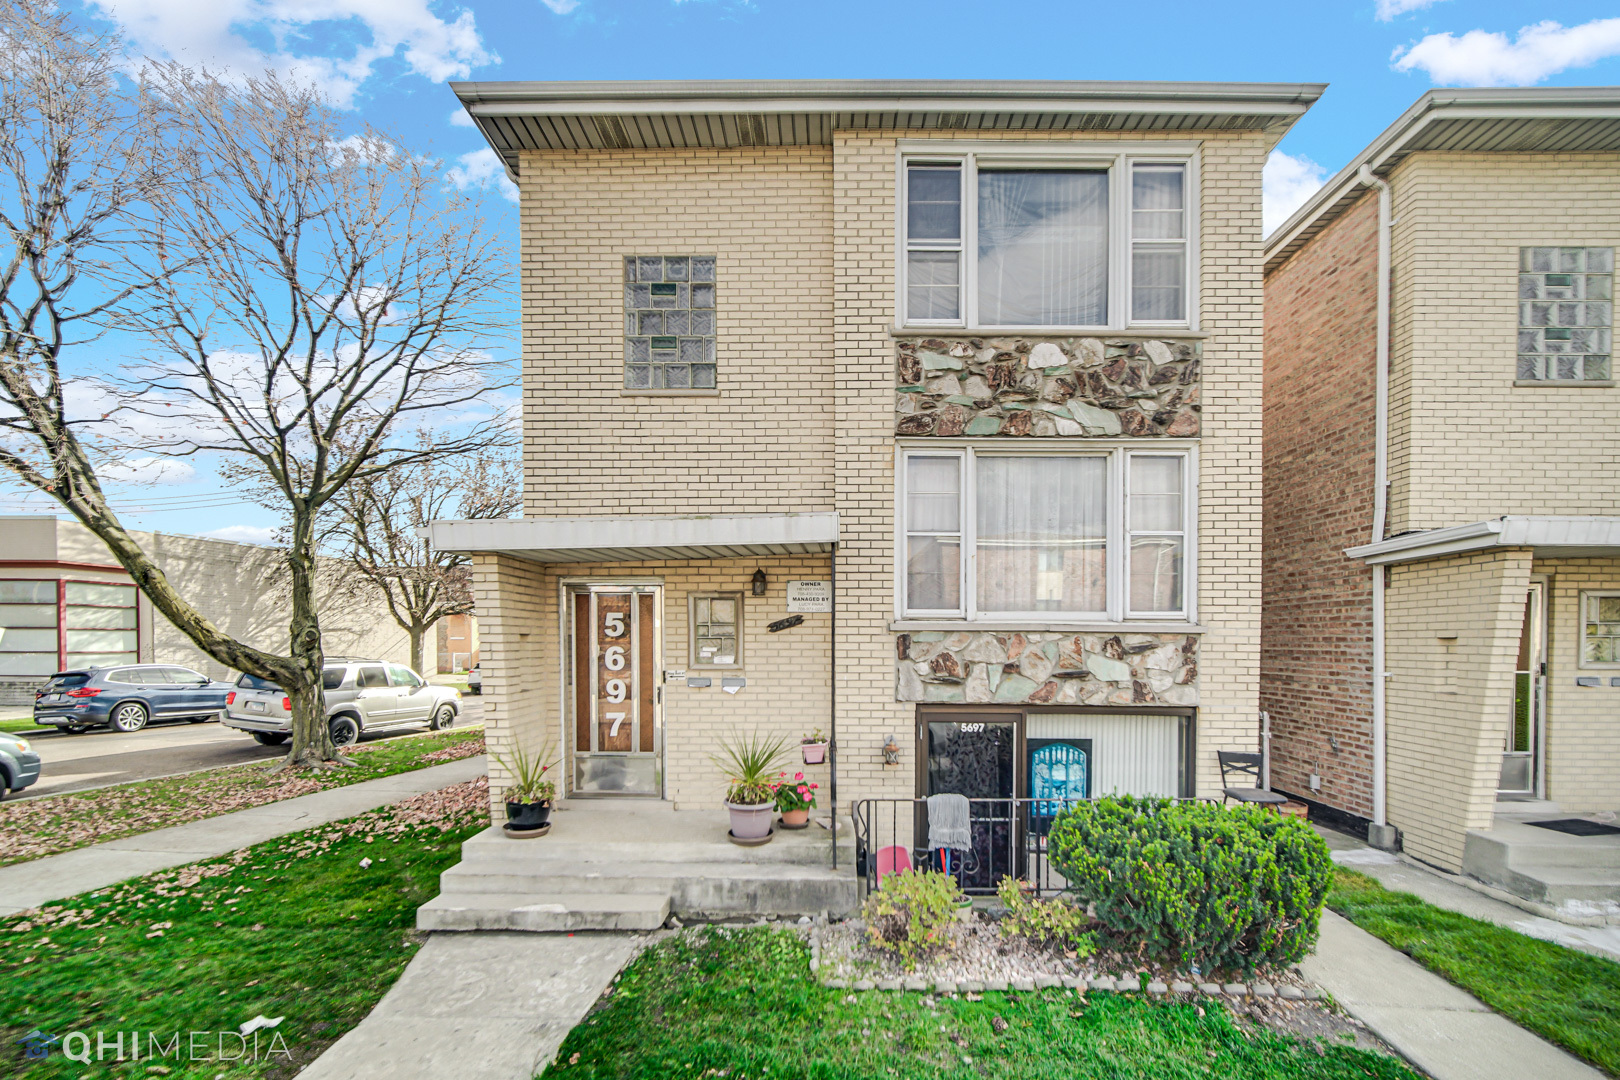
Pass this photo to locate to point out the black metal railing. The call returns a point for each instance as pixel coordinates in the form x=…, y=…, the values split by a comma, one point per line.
x=1008, y=839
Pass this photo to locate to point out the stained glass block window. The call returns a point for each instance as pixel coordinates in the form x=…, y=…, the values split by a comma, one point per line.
x=1566, y=314
x=669, y=309
x=716, y=625
x=1600, y=626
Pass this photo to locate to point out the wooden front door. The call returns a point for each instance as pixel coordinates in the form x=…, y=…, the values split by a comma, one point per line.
x=615, y=633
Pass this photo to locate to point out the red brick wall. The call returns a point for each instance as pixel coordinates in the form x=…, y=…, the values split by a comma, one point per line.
x=1316, y=622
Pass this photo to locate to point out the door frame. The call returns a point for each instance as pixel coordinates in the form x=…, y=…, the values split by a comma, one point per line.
x=567, y=588
x=1540, y=589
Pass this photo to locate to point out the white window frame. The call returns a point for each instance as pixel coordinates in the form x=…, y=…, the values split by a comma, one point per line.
x=1117, y=532
x=692, y=635
x=1117, y=159
x=1588, y=596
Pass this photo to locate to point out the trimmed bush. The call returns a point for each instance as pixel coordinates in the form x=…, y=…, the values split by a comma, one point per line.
x=911, y=914
x=1196, y=883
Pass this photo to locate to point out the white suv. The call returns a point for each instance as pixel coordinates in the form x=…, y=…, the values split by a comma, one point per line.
x=361, y=695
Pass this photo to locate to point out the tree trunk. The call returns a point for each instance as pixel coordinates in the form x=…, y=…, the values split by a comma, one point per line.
x=417, y=632
x=311, y=737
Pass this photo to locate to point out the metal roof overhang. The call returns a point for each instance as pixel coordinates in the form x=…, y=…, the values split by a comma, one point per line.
x=1548, y=537
x=1527, y=120
x=639, y=539
x=519, y=116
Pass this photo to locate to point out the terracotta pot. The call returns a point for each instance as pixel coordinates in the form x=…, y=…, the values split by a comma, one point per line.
x=528, y=815
x=796, y=818
x=815, y=753
x=751, y=821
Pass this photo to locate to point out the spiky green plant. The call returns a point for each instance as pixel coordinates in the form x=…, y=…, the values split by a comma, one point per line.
x=528, y=772
x=750, y=762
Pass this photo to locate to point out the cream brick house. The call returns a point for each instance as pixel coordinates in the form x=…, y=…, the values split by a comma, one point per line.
x=1441, y=497
x=923, y=413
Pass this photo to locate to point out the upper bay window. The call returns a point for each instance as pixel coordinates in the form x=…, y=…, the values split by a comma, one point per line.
x=991, y=534
x=992, y=242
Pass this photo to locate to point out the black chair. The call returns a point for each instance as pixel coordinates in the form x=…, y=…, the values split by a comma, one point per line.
x=1245, y=765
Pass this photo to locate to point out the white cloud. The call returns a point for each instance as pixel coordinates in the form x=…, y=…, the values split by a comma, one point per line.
x=1389, y=9
x=561, y=7
x=147, y=471
x=461, y=118
x=476, y=170
x=242, y=534
x=1481, y=58
x=1286, y=182
x=334, y=43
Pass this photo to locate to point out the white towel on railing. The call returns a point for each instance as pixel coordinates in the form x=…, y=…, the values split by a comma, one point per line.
x=948, y=825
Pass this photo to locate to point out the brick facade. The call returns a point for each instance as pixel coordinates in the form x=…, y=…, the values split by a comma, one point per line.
x=1316, y=638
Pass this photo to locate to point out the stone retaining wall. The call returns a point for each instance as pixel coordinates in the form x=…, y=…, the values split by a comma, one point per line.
x=1047, y=668
x=1066, y=386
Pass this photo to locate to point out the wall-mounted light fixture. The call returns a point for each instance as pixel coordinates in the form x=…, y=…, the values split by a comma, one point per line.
x=891, y=751
x=759, y=583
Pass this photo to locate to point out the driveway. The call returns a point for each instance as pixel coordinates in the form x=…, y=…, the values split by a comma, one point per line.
x=101, y=757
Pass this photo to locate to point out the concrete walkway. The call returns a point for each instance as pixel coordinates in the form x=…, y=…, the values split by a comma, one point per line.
x=481, y=1006
x=39, y=881
x=1444, y=1031
x=1466, y=897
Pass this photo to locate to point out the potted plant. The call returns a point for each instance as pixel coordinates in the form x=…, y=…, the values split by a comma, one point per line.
x=529, y=796
x=794, y=799
x=748, y=762
x=814, y=748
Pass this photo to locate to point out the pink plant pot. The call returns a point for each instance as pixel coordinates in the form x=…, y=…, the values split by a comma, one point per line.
x=751, y=821
x=815, y=753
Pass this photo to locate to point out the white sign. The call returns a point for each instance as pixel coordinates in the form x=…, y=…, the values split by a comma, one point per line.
x=810, y=596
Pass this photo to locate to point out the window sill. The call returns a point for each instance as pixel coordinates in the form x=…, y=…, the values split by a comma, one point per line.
x=903, y=626
x=1554, y=383
x=1145, y=333
x=669, y=393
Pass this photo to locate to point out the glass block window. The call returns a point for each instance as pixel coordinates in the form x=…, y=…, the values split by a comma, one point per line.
x=1600, y=629
x=716, y=621
x=669, y=322
x=1566, y=313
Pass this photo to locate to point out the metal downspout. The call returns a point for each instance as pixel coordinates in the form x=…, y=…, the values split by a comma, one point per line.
x=832, y=709
x=1380, y=499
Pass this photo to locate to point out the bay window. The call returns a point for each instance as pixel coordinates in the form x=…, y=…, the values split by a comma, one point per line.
x=1077, y=240
x=1096, y=536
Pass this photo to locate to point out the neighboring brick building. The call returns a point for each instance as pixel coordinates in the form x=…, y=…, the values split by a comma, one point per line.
x=1501, y=549
x=65, y=602
x=763, y=345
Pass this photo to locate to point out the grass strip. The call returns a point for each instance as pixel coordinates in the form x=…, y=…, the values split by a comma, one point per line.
x=741, y=1003
x=1567, y=997
x=21, y=725
x=296, y=927
x=33, y=828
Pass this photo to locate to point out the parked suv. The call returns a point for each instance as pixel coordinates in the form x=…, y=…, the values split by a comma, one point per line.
x=361, y=695
x=127, y=697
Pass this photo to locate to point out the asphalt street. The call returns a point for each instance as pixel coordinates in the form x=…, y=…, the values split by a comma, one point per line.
x=101, y=757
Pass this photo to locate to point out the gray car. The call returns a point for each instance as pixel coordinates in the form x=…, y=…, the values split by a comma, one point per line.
x=19, y=764
x=361, y=695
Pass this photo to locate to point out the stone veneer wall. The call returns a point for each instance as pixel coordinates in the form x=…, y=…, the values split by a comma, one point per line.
x=1048, y=668
x=1069, y=386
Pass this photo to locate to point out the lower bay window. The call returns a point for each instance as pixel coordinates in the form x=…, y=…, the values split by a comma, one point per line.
x=1095, y=536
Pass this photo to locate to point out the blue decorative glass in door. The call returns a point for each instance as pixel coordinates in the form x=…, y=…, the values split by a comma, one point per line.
x=1059, y=774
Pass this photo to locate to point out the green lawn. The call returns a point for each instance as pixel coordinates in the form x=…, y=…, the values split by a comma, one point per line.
x=32, y=828
x=22, y=725
x=295, y=927
x=740, y=1003
x=1565, y=996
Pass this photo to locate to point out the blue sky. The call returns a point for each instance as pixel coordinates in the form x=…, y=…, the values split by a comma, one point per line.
x=388, y=61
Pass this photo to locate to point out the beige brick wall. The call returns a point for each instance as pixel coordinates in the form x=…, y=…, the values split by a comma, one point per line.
x=1583, y=732
x=1460, y=221
x=764, y=442
x=1449, y=698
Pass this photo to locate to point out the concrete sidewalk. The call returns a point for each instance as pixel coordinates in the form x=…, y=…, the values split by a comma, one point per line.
x=39, y=881
x=1444, y=1031
x=482, y=1006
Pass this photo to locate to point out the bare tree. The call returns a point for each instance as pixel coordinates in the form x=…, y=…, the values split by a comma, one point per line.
x=309, y=294
x=384, y=515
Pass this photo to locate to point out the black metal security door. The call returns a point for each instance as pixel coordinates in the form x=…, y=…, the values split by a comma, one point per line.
x=979, y=759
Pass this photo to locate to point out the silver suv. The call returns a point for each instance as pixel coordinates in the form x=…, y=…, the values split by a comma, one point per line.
x=361, y=695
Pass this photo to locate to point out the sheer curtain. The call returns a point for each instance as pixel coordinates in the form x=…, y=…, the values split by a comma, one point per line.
x=1043, y=248
x=1042, y=528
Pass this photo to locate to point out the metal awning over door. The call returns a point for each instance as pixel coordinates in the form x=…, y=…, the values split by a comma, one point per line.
x=640, y=539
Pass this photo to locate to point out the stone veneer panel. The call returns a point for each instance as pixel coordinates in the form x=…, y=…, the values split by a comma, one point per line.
x=1068, y=386
x=1047, y=668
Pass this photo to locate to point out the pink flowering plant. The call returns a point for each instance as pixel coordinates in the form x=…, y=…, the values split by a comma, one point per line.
x=795, y=794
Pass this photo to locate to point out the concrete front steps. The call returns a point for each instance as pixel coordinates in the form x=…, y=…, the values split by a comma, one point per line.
x=1576, y=877
x=589, y=875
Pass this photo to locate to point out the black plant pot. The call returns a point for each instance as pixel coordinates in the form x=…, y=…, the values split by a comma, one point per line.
x=528, y=815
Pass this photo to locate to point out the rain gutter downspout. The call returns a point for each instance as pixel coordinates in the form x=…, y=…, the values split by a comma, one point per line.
x=1381, y=835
